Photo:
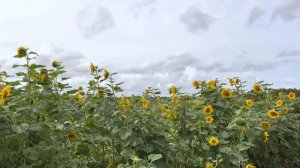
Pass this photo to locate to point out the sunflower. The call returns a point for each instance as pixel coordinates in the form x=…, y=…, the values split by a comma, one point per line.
x=21, y=52
x=273, y=114
x=5, y=92
x=55, y=64
x=79, y=97
x=249, y=102
x=209, y=165
x=208, y=110
x=196, y=84
x=173, y=90
x=145, y=103
x=226, y=93
x=265, y=124
x=213, y=141
x=280, y=94
x=212, y=84
x=106, y=74
x=72, y=136
x=233, y=81
x=92, y=68
x=249, y=166
x=198, y=102
x=266, y=136
x=292, y=96
x=257, y=88
x=209, y=119
x=168, y=113
x=279, y=103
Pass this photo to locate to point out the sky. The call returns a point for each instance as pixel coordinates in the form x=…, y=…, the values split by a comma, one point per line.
x=158, y=43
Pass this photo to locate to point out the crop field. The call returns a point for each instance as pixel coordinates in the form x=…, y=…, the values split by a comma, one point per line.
x=44, y=122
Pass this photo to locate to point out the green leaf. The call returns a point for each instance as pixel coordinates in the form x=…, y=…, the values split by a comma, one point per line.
x=154, y=157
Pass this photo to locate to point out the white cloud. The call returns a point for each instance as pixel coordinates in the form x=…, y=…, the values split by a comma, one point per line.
x=94, y=20
x=196, y=20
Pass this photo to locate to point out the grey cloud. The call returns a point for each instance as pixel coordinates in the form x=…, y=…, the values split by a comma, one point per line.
x=288, y=11
x=196, y=20
x=92, y=21
x=242, y=63
x=291, y=53
x=255, y=14
x=139, y=6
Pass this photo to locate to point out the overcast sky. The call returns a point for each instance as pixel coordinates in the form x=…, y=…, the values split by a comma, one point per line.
x=158, y=43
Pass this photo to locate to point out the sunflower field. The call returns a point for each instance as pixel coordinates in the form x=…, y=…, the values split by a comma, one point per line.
x=45, y=123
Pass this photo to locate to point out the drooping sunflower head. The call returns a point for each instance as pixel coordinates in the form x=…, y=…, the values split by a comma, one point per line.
x=249, y=166
x=292, y=96
x=249, y=102
x=212, y=84
x=105, y=74
x=55, y=64
x=265, y=125
x=21, y=52
x=208, y=110
x=226, y=93
x=209, y=165
x=257, y=88
x=209, y=119
x=279, y=103
x=273, y=114
x=72, y=136
x=196, y=84
x=213, y=141
x=92, y=68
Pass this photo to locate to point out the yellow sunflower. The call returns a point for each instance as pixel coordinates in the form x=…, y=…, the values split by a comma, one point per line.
x=279, y=103
x=265, y=125
x=292, y=96
x=209, y=119
x=213, y=141
x=257, y=88
x=92, y=68
x=212, y=84
x=273, y=114
x=145, y=103
x=249, y=102
x=198, y=102
x=208, y=110
x=209, y=165
x=266, y=136
x=226, y=93
x=233, y=81
x=249, y=166
x=5, y=92
x=21, y=52
x=280, y=94
x=196, y=84
x=173, y=90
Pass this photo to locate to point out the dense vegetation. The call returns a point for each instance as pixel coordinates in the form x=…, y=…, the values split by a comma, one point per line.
x=46, y=123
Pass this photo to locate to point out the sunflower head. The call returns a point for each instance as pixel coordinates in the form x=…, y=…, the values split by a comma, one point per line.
x=5, y=92
x=209, y=165
x=266, y=136
x=280, y=94
x=213, y=141
x=72, y=136
x=233, y=81
x=212, y=84
x=249, y=166
x=92, y=68
x=105, y=74
x=279, y=103
x=145, y=103
x=291, y=96
x=249, y=102
x=209, y=119
x=273, y=114
x=208, y=110
x=198, y=102
x=226, y=93
x=55, y=64
x=265, y=125
x=257, y=88
x=21, y=52
x=196, y=84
